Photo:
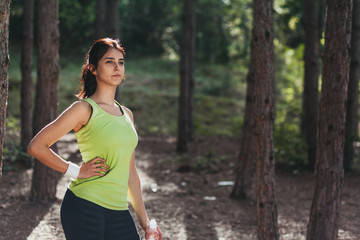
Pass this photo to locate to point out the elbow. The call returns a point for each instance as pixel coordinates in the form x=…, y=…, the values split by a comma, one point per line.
x=31, y=149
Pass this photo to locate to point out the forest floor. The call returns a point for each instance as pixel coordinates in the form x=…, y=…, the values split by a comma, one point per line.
x=185, y=194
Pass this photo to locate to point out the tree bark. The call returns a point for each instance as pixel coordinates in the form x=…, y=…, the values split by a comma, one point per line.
x=351, y=127
x=99, y=19
x=43, y=187
x=246, y=163
x=311, y=79
x=325, y=209
x=264, y=115
x=187, y=65
x=26, y=70
x=4, y=70
x=112, y=22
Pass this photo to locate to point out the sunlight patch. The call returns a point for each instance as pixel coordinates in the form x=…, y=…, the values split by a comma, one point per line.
x=48, y=226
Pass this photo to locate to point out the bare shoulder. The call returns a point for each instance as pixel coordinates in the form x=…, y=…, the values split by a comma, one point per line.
x=80, y=110
x=129, y=112
x=81, y=106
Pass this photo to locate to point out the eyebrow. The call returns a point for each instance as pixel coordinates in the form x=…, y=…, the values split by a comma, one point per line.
x=114, y=58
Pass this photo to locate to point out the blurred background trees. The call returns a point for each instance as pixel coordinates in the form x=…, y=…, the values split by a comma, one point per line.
x=151, y=34
x=44, y=179
x=225, y=87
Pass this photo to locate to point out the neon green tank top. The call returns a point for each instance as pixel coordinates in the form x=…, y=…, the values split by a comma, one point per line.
x=114, y=139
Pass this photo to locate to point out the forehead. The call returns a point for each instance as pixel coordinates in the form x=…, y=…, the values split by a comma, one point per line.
x=113, y=53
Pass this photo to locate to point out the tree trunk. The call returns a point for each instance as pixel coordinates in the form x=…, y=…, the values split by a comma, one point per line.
x=4, y=69
x=44, y=179
x=263, y=61
x=325, y=209
x=112, y=28
x=99, y=19
x=112, y=22
x=351, y=127
x=245, y=169
x=26, y=79
x=311, y=79
x=187, y=62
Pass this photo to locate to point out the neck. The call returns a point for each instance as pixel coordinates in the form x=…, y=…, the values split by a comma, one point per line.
x=104, y=94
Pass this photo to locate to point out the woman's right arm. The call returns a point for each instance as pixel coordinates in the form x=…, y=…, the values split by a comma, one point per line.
x=73, y=117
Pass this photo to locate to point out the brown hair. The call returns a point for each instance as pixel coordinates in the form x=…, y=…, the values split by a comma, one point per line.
x=97, y=50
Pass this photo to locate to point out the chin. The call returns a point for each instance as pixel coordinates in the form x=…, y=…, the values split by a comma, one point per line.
x=118, y=83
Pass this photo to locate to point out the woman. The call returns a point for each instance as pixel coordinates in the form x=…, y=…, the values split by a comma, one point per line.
x=95, y=204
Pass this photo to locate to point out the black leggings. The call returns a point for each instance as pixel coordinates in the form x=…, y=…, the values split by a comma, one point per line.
x=82, y=219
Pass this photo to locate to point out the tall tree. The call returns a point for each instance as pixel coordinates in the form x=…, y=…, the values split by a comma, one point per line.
x=99, y=18
x=264, y=115
x=325, y=209
x=311, y=79
x=44, y=179
x=351, y=126
x=26, y=70
x=4, y=69
x=112, y=22
x=187, y=67
x=246, y=162
x=112, y=27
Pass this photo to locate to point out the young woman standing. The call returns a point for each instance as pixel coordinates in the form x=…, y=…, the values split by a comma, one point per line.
x=95, y=204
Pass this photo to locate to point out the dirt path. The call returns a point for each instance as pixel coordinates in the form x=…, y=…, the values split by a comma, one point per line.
x=188, y=205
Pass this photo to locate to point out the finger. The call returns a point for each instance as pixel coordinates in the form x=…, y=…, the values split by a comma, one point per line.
x=103, y=172
x=99, y=170
x=101, y=165
x=97, y=159
x=159, y=232
x=98, y=173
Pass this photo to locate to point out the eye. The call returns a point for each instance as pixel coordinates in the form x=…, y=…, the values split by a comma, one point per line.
x=109, y=61
x=121, y=63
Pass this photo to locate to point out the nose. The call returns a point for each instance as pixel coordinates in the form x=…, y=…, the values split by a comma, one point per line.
x=116, y=65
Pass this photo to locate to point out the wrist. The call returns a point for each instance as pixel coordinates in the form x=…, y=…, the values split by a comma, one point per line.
x=72, y=171
x=145, y=224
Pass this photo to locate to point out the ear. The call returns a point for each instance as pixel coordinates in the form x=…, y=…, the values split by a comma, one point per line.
x=92, y=69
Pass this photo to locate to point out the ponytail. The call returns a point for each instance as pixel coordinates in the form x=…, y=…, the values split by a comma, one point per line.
x=87, y=84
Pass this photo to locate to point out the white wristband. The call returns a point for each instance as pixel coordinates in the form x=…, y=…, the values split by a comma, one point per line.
x=72, y=171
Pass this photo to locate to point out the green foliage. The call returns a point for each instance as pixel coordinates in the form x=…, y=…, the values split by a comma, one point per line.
x=153, y=29
x=290, y=147
x=289, y=21
x=76, y=23
x=216, y=115
x=212, y=39
x=215, y=80
x=13, y=154
x=144, y=25
x=14, y=157
x=237, y=24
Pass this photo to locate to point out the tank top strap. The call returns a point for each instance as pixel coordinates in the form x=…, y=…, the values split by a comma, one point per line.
x=126, y=114
x=93, y=105
x=96, y=109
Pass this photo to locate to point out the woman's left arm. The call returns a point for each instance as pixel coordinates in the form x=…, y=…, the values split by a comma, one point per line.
x=135, y=195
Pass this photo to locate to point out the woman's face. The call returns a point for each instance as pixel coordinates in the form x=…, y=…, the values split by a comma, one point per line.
x=110, y=69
